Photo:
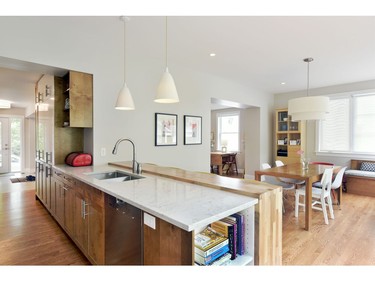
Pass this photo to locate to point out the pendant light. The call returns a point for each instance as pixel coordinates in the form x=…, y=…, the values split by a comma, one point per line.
x=309, y=107
x=166, y=92
x=124, y=98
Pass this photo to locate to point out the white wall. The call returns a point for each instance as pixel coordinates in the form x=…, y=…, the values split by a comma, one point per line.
x=95, y=45
x=281, y=101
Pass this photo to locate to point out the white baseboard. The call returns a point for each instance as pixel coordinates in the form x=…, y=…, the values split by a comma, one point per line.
x=248, y=176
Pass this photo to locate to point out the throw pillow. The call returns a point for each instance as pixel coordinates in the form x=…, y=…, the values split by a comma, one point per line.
x=367, y=166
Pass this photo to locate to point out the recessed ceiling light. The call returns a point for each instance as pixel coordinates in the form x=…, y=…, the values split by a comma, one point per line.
x=282, y=83
x=212, y=54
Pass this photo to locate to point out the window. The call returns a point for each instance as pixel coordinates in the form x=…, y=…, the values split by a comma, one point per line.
x=349, y=125
x=228, y=125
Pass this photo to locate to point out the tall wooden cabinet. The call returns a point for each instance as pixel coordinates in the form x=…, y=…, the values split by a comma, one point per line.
x=63, y=111
x=77, y=100
x=289, y=137
x=73, y=113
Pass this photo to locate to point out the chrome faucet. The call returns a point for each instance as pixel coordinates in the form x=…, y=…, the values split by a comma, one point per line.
x=135, y=165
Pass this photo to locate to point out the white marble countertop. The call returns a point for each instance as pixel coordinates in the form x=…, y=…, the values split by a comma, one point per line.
x=185, y=205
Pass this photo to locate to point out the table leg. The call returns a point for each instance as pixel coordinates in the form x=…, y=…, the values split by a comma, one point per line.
x=257, y=176
x=308, y=204
x=220, y=169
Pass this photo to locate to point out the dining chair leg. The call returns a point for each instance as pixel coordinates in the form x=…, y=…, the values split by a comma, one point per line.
x=324, y=209
x=329, y=199
x=296, y=205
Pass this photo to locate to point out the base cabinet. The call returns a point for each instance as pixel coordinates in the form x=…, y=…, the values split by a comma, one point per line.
x=167, y=244
x=89, y=222
x=59, y=212
x=69, y=193
x=79, y=209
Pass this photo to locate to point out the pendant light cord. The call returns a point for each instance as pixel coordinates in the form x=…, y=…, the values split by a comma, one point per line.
x=308, y=77
x=308, y=60
x=166, y=41
x=124, y=50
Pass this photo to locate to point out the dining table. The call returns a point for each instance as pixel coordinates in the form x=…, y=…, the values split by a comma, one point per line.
x=312, y=174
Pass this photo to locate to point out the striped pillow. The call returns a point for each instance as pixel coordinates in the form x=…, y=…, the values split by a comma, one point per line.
x=368, y=166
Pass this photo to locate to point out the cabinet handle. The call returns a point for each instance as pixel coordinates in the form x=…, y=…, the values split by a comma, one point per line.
x=83, y=209
x=48, y=172
x=48, y=157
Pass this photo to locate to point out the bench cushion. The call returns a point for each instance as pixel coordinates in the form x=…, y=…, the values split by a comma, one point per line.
x=367, y=166
x=359, y=173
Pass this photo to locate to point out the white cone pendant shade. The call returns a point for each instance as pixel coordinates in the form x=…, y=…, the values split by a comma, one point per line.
x=124, y=99
x=166, y=92
x=308, y=108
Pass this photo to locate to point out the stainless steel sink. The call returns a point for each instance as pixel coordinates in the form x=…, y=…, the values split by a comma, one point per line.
x=116, y=176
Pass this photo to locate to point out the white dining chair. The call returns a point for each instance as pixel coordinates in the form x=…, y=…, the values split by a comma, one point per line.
x=337, y=182
x=321, y=195
x=275, y=181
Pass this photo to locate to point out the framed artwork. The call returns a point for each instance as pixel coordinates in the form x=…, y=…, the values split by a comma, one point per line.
x=192, y=129
x=165, y=129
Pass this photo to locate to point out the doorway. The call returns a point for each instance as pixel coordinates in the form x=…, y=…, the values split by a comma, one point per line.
x=11, y=144
x=246, y=131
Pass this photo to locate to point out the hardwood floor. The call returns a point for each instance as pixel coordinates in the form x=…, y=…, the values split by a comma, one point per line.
x=349, y=239
x=30, y=236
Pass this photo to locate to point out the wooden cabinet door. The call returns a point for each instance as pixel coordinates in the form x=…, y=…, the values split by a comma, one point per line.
x=47, y=186
x=96, y=233
x=40, y=181
x=60, y=205
x=69, y=208
x=37, y=184
x=81, y=99
x=52, y=208
x=80, y=221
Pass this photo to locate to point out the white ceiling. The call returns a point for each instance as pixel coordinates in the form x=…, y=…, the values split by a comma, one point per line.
x=258, y=51
x=17, y=86
x=265, y=51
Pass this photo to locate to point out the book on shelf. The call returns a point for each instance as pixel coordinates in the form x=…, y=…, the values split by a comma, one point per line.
x=208, y=238
x=240, y=233
x=227, y=229
x=209, y=251
x=212, y=257
x=233, y=222
x=223, y=260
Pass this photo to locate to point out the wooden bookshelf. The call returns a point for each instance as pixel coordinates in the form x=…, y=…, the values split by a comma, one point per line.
x=289, y=137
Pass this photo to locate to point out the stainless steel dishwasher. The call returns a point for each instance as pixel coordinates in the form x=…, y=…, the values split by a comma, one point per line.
x=123, y=236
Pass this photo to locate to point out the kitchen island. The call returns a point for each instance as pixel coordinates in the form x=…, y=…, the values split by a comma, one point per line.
x=174, y=209
x=268, y=211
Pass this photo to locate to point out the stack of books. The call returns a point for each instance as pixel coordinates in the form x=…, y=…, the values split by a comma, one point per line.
x=232, y=227
x=211, y=248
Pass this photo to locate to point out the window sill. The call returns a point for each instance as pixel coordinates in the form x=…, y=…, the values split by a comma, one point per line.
x=347, y=155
